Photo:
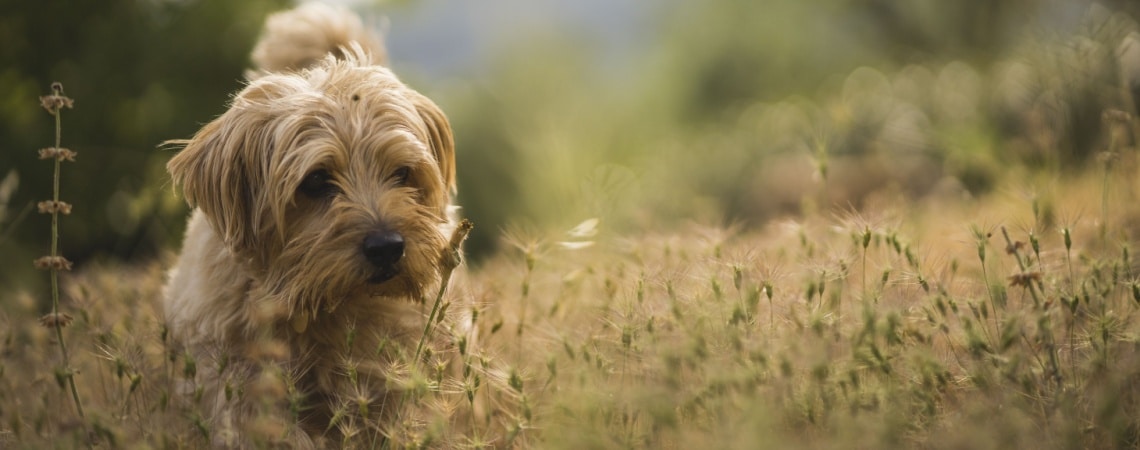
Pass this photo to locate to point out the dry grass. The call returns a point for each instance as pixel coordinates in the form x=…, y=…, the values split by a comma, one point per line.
x=1006, y=321
x=860, y=329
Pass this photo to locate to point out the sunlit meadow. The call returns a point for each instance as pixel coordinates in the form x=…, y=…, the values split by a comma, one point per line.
x=933, y=255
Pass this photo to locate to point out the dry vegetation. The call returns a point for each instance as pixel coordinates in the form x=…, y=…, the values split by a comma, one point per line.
x=921, y=317
x=903, y=325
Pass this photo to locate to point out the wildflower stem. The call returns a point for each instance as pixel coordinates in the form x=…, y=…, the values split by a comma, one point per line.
x=58, y=113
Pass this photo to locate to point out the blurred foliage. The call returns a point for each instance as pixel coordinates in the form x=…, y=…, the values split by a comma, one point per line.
x=141, y=72
x=734, y=110
x=742, y=111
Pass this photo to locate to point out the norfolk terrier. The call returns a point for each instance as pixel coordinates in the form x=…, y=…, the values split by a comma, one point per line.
x=322, y=210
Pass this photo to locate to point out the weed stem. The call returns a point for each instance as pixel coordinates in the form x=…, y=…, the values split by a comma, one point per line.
x=451, y=259
x=55, y=104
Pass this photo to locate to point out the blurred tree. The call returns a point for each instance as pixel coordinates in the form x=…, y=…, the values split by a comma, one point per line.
x=692, y=116
x=141, y=72
x=740, y=108
x=769, y=50
x=975, y=31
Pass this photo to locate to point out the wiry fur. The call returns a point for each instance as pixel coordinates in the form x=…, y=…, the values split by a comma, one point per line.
x=271, y=279
x=301, y=38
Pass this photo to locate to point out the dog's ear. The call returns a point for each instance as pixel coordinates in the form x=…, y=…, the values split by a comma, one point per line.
x=441, y=141
x=217, y=171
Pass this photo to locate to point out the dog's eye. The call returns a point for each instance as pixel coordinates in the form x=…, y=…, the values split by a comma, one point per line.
x=401, y=175
x=317, y=184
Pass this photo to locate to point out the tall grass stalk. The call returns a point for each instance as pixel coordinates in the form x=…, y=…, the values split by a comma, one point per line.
x=866, y=241
x=1025, y=278
x=451, y=259
x=524, y=298
x=982, y=238
x=1117, y=124
x=1031, y=281
x=1106, y=158
x=1074, y=299
x=54, y=104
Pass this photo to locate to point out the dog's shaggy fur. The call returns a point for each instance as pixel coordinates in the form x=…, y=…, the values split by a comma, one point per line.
x=323, y=205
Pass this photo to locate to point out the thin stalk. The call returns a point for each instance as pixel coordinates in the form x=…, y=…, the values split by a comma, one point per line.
x=1021, y=264
x=981, y=237
x=864, y=273
x=523, y=300
x=1029, y=285
x=434, y=311
x=1072, y=309
x=451, y=259
x=1069, y=256
x=55, y=271
x=866, y=242
x=1104, y=202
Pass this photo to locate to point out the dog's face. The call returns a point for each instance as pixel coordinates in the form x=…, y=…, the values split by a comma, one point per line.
x=329, y=184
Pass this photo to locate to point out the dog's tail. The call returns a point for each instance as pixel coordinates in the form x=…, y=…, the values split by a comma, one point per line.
x=301, y=37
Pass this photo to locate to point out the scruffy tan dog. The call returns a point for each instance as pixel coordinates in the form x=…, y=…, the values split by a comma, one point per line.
x=323, y=207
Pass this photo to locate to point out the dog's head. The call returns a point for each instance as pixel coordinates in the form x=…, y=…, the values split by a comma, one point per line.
x=328, y=183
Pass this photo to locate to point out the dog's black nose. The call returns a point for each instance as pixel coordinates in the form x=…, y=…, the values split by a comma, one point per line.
x=383, y=248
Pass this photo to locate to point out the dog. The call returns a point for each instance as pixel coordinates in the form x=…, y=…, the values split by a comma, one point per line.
x=322, y=209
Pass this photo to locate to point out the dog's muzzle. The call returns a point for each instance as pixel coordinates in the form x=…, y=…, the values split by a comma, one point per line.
x=383, y=249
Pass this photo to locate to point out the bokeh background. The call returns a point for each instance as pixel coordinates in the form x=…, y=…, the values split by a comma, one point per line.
x=644, y=114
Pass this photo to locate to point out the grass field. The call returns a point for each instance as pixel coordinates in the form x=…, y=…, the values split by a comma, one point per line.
x=1008, y=321
x=935, y=254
